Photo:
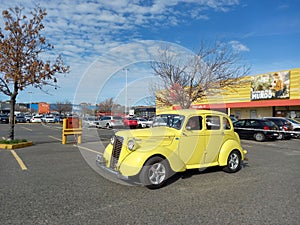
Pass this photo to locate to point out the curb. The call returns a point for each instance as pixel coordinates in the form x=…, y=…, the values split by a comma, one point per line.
x=14, y=146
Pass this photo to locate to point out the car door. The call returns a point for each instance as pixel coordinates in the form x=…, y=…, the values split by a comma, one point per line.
x=214, y=136
x=103, y=121
x=192, y=143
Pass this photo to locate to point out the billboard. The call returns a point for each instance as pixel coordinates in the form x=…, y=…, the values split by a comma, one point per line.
x=271, y=86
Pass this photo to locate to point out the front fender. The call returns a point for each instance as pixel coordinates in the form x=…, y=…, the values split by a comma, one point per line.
x=228, y=147
x=133, y=163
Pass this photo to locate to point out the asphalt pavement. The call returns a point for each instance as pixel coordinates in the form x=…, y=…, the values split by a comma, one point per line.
x=61, y=185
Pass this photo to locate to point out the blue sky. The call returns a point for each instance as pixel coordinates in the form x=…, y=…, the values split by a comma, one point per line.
x=100, y=38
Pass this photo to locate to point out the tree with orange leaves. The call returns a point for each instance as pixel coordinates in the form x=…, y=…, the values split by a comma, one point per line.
x=21, y=64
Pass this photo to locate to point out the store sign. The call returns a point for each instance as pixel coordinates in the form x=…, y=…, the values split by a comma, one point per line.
x=271, y=86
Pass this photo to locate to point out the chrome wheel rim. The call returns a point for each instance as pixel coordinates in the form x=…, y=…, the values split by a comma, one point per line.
x=157, y=173
x=233, y=161
x=259, y=137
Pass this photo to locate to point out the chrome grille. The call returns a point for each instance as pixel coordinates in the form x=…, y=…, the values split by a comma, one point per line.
x=116, y=152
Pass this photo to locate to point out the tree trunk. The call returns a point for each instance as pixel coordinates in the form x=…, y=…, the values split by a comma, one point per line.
x=11, y=134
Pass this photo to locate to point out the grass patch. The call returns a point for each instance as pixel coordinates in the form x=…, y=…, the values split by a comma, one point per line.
x=16, y=141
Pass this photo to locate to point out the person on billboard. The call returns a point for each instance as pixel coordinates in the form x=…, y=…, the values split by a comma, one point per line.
x=278, y=85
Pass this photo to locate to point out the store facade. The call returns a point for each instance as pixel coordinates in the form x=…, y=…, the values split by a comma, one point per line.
x=270, y=94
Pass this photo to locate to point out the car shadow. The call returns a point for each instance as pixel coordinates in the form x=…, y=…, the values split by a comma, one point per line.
x=195, y=172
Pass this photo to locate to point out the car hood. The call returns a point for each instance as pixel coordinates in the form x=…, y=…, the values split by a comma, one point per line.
x=149, y=136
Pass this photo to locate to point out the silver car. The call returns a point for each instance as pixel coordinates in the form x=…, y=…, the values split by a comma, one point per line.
x=110, y=122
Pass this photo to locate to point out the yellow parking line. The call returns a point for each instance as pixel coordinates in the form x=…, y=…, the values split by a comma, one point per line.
x=88, y=149
x=19, y=160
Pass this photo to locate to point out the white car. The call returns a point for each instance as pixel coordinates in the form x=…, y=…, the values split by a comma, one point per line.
x=142, y=122
x=36, y=119
x=48, y=119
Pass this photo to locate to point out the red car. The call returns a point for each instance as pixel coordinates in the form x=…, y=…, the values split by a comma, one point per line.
x=130, y=122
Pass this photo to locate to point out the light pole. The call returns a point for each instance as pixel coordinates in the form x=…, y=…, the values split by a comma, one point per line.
x=30, y=101
x=126, y=81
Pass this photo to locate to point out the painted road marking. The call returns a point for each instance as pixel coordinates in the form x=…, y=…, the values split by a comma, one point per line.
x=26, y=128
x=87, y=149
x=58, y=139
x=19, y=160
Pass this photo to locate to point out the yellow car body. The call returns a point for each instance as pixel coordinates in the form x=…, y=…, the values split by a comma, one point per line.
x=139, y=152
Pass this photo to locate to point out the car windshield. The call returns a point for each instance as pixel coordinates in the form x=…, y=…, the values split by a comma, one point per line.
x=294, y=121
x=170, y=120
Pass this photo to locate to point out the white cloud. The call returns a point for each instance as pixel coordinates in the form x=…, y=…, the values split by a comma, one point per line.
x=84, y=30
x=237, y=46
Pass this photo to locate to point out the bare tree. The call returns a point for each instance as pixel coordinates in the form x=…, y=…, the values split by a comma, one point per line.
x=63, y=107
x=21, y=64
x=108, y=106
x=185, y=79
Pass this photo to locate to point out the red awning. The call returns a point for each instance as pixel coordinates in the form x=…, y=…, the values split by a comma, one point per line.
x=252, y=104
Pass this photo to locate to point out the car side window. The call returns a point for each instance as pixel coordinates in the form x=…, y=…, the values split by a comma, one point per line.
x=226, y=124
x=194, y=123
x=239, y=123
x=213, y=123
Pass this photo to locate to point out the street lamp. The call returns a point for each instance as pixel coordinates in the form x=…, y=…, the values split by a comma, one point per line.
x=126, y=77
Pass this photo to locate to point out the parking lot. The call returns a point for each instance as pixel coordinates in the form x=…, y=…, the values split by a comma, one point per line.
x=60, y=184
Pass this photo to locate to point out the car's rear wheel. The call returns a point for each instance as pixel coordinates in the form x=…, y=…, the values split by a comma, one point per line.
x=280, y=136
x=259, y=136
x=155, y=172
x=234, y=162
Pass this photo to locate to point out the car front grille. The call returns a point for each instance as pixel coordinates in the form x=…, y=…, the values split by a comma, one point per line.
x=116, y=152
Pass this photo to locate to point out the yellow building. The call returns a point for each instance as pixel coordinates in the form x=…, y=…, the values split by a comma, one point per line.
x=270, y=94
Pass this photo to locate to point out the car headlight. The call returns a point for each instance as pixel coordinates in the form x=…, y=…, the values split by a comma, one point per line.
x=112, y=140
x=131, y=144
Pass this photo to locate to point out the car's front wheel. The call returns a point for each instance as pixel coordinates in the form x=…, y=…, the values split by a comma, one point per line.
x=234, y=162
x=155, y=172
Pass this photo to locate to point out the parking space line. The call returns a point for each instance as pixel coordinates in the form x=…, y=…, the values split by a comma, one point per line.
x=87, y=149
x=26, y=128
x=55, y=138
x=19, y=160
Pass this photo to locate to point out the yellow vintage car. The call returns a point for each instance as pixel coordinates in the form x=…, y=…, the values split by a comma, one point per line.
x=177, y=141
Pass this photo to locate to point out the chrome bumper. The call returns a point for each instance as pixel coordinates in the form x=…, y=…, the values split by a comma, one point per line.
x=101, y=163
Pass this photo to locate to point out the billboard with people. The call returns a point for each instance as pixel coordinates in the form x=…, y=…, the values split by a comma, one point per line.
x=271, y=86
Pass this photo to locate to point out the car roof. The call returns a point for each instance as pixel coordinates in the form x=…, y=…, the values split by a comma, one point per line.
x=187, y=112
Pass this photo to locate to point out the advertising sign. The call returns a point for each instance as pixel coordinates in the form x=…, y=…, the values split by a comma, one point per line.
x=271, y=86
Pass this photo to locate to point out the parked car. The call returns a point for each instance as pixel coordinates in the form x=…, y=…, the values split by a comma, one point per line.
x=152, y=155
x=4, y=118
x=257, y=129
x=36, y=119
x=48, y=119
x=59, y=118
x=285, y=127
x=150, y=121
x=296, y=127
x=110, y=122
x=143, y=123
x=28, y=117
x=233, y=118
x=20, y=119
x=130, y=122
x=90, y=121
